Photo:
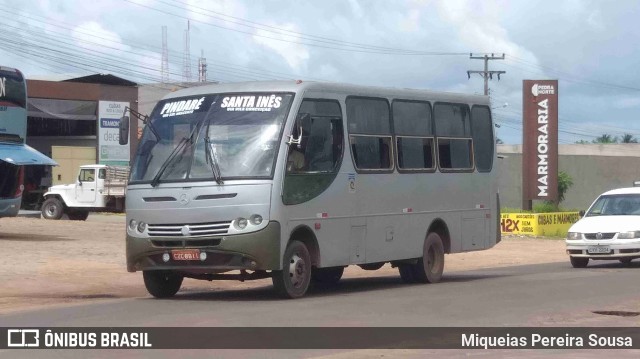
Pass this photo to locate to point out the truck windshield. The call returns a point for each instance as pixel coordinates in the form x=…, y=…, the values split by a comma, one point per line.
x=242, y=131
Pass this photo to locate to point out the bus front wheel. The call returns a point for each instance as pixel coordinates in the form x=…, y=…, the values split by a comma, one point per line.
x=429, y=268
x=293, y=280
x=162, y=284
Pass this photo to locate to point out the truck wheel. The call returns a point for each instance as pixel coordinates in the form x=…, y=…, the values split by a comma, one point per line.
x=330, y=275
x=293, y=280
x=162, y=284
x=430, y=267
x=579, y=262
x=52, y=208
x=78, y=215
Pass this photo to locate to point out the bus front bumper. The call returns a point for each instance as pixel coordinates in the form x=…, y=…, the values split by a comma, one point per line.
x=252, y=251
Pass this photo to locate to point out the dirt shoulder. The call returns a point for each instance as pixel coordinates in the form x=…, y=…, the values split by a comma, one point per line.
x=52, y=263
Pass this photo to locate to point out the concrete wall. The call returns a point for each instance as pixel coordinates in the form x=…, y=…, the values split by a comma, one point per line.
x=593, y=168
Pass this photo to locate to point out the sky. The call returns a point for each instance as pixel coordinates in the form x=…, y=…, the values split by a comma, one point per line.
x=590, y=47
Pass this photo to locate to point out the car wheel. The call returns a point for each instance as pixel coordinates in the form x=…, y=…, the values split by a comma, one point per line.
x=52, y=208
x=579, y=262
x=294, y=278
x=625, y=261
x=162, y=284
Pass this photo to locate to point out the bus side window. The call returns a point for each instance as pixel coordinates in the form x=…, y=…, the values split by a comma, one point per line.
x=313, y=163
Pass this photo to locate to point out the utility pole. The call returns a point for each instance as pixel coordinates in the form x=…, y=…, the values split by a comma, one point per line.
x=486, y=74
x=165, y=56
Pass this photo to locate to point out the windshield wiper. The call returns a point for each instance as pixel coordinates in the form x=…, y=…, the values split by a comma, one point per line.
x=165, y=164
x=172, y=155
x=210, y=155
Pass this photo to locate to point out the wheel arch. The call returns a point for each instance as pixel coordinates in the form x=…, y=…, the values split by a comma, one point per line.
x=55, y=195
x=440, y=227
x=305, y=235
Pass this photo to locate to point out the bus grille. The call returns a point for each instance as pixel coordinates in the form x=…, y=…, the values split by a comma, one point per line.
x=189, y=230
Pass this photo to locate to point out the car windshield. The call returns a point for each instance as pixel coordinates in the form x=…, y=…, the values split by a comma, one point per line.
x=616, y=205
x=241, y=130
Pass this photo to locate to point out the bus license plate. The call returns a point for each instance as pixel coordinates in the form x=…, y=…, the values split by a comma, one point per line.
x=598, y=249
x=185, y=254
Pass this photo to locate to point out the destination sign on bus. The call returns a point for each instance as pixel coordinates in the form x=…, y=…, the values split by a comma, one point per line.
x=251, y=103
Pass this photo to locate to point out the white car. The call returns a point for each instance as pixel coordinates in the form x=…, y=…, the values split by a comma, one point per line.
x=609, y=230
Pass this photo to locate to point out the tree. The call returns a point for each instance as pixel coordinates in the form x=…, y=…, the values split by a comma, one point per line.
x=606, y=138
x=628, y=138
x=564, y=182
x=499, y=141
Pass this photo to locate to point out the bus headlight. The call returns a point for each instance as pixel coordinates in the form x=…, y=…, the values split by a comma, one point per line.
x=133, y=224
x=572, y=236
x=141, y=227
x=240, y=223
x=629, y=235
x=255, y=219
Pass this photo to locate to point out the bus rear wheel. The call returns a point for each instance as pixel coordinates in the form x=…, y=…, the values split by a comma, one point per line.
x=406, y=273
x=162, y=284
x=294, y=278
x=429, y=268
x=78, y=215
x=330, y=275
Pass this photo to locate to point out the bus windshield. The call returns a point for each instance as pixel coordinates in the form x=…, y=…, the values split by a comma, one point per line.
x=13, y=106
x=241, y=131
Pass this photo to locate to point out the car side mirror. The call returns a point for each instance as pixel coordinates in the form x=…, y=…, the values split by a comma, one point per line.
x=79, y=180
x=123, y=130
x=581, y=213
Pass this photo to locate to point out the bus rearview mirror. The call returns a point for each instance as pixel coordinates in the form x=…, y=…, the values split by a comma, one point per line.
x=124, y=130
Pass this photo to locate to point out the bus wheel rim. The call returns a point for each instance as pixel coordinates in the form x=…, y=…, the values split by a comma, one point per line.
x=297, y=271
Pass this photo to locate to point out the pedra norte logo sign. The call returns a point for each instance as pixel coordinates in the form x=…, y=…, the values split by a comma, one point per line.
x=540, y=140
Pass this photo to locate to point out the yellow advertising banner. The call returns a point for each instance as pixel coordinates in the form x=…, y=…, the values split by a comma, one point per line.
x=538, y=224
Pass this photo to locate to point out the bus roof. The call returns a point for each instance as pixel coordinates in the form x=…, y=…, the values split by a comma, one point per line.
x=348, y=89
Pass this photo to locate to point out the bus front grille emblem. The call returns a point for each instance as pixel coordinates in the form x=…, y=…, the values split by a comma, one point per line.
x=185, y=230
x=184, y=199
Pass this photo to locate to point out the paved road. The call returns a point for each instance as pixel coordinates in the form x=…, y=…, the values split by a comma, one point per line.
x=535, y=295
x=512, y=296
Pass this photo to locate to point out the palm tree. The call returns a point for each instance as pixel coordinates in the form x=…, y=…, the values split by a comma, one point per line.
x=606, y=138
x=628, y=138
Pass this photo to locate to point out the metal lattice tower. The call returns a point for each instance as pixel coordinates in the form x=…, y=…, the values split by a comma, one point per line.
x=202, y=68
x=186, y=76
x=165, y=56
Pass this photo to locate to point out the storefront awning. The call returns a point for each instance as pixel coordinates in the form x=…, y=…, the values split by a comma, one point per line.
x=63, y=109
x=23, y=155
